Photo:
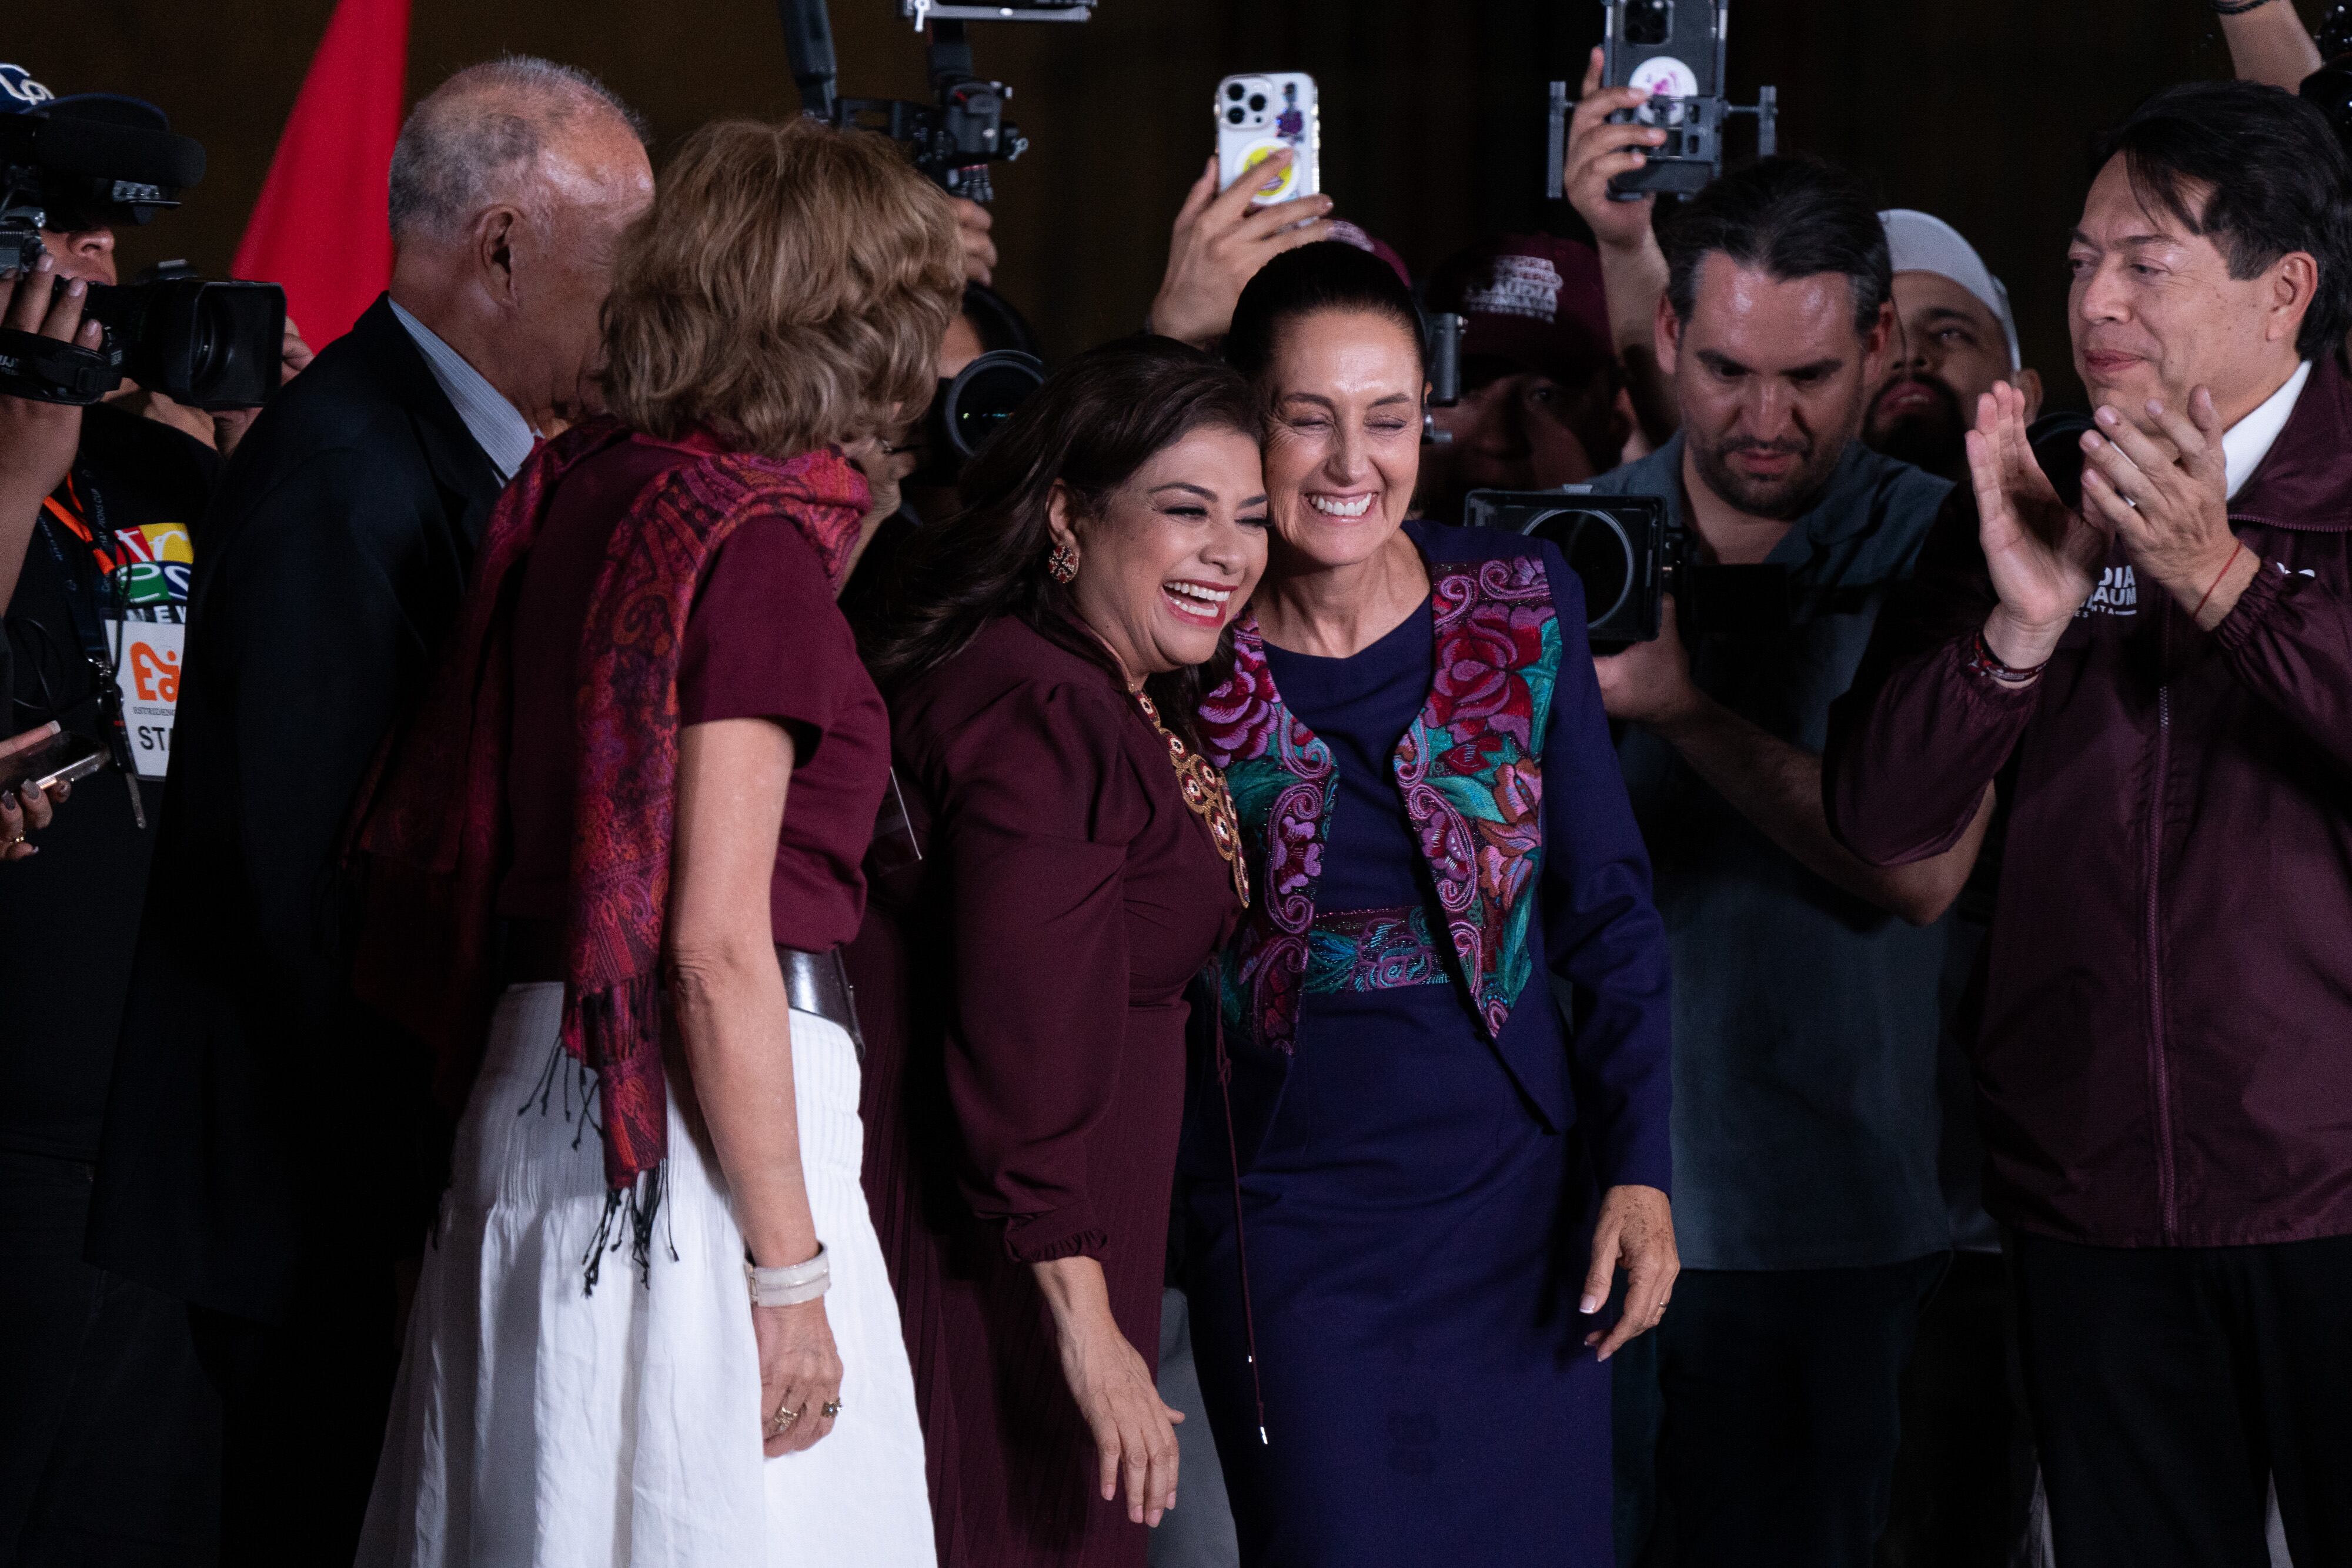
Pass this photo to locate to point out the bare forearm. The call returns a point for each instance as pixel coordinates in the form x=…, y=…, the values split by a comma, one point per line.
x=1633, y=278
x=2270, y=43
x=1076, y=1291
x=1776, y=785
x=736, y=1024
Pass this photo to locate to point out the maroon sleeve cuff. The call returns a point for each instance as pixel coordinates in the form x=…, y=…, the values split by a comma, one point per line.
x=2253, y=609
x=1065, y=1233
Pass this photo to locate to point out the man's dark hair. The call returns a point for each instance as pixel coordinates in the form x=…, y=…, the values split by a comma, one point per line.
x=2276, y=182
x=1788, y=217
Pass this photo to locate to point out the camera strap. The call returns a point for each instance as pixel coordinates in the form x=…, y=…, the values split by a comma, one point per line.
x=84, y=608
x=46, y=371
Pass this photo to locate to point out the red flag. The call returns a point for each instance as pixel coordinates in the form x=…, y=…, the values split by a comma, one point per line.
x=320, y=228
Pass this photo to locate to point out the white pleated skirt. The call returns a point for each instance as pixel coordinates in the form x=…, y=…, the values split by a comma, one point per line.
x=540, y=1425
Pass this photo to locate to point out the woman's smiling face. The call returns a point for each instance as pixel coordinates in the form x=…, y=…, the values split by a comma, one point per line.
x=1343, y=450
x=1172, y=554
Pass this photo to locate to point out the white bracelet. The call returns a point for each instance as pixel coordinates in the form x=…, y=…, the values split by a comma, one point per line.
x=791, y=1284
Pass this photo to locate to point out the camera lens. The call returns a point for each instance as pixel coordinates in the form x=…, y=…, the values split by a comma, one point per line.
x=1234, y=115
x=1257, y=102
x=985, y=395
x=1234, y=90
x=1599, y=553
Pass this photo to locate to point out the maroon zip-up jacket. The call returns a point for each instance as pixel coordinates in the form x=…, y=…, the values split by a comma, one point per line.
x=2165, y=1053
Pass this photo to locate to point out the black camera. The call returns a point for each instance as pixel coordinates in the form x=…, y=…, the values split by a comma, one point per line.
x=84, y=164
x=1629, y=555
x=954, y=139
x=973, y=406
x=1616, y=544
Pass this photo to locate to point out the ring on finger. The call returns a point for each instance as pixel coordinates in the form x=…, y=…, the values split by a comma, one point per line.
x=832, y=1408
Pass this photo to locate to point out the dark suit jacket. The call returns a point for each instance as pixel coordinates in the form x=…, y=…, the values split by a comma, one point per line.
x=258, y=1123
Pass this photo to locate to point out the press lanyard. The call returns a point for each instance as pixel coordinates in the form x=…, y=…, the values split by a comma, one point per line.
x=89, y=623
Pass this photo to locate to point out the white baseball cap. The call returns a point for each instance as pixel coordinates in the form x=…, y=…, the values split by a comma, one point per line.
x=1917, y=242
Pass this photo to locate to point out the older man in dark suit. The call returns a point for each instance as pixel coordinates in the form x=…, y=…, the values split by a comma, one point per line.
x=259, y=1161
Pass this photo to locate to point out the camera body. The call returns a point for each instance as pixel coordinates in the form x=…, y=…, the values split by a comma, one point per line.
x=1629, y=556
x=955, y=138
x=1616, y=545
x=210, y=345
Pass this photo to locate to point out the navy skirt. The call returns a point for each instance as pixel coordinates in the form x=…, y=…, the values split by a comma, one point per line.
x=1417, y=1239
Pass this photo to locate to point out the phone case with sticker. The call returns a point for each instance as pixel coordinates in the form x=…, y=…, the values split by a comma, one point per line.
x=1258, y=115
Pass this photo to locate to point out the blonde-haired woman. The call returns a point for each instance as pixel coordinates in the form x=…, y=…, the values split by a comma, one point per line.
x=656, y=1328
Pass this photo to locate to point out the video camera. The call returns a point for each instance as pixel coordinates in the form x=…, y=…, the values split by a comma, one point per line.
x=1629, y=558
x=99, y=161
x=953, y=139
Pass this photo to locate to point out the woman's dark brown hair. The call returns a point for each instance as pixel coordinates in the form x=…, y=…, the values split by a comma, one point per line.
x=1094, y=422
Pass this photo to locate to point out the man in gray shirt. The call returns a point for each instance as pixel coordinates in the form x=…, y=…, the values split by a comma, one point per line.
x=1806, y=1017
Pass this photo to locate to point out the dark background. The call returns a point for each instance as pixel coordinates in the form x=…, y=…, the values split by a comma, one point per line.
x=1978, y=111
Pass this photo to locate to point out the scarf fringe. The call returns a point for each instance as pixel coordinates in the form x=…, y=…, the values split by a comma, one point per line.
x=629, y=1215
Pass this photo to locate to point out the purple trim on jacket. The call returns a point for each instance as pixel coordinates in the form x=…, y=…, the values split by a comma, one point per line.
x=2166, y=1052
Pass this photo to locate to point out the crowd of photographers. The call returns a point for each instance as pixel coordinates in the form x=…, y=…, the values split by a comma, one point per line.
x=1992, y=769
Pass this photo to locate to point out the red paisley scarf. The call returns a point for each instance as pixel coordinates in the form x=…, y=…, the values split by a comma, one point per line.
x=430, y=836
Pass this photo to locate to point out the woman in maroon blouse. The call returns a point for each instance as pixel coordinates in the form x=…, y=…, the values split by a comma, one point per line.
x=1022, y=981
x=656, y=1325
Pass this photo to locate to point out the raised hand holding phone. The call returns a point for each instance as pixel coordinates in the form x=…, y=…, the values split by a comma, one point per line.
x=1220, y=240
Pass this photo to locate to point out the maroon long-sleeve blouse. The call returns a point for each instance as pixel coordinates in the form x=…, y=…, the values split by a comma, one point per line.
x=1021, y=988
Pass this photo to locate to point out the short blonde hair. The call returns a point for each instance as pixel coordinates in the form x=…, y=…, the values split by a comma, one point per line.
x=788, y=288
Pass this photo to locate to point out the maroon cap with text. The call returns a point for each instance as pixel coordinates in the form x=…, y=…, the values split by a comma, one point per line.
x=1531, y=301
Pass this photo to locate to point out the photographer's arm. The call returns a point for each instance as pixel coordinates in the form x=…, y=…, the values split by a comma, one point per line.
x=1774, y=783
x=1632, y=267
x=36, y=439
x=2270, y=43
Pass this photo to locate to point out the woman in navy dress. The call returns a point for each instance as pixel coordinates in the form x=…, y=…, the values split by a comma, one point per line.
x=1443, y=1045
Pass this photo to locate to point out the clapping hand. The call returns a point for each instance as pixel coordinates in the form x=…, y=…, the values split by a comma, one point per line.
x=2171, y=510
x=2044, y=558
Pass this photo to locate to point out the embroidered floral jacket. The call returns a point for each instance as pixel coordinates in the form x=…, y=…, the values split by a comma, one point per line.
x=1470, y=773
x=1524, y=880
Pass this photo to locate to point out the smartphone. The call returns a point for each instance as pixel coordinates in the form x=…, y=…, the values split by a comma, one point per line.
x=1673, y=50
x=61, y=759
x=1258, y=116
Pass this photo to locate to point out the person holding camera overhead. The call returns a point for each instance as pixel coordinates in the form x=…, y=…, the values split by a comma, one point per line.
x=1063, y=865
x=651, y=750
x=269, y=1150
x=1410, y=1202
x=99, y=510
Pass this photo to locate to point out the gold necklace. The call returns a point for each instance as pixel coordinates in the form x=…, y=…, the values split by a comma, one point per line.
x=1206, y=796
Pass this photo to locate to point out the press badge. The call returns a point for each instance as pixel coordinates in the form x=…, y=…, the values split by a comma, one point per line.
x=148, y=640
